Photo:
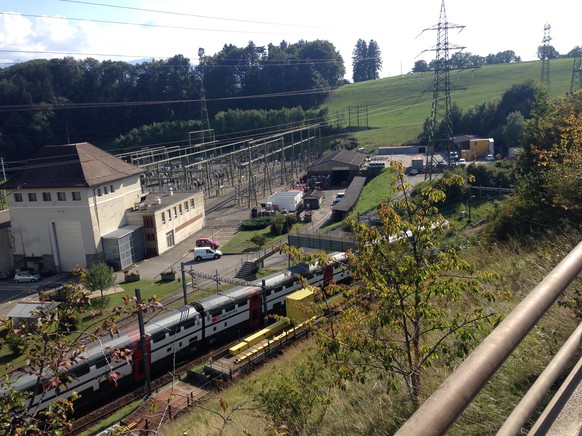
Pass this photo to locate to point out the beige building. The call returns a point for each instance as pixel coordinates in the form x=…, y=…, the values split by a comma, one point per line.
x=75, y=205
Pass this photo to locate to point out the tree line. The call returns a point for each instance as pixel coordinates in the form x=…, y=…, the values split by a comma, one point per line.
x=55, y=101
x=462, y=60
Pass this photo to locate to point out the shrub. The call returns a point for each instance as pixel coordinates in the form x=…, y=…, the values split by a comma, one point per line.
x=256, y=223
x=259, y=240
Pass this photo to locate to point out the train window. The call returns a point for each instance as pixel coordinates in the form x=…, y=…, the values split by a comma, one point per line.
x=86, y=392
x=216, y=312
x=308, y=276
x=100, y=363
x=193, y=340
x=81, y=370
x=189, y=324
x=169, y=350
x=225, y=324
x=229, y=308
x=268, y=293
x=214, y=329
x=242, y=303
x=174, y=330
x=158, y=337
x=278, y=289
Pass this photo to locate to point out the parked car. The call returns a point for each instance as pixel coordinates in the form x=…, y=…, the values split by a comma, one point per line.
x=207, y=242
x=202, y=253
x=26, y=277
x=490, y=157
x=462, y=163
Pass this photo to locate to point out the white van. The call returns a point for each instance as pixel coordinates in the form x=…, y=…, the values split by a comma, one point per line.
x=201, y=253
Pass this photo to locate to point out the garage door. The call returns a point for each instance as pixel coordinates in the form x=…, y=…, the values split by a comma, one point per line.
x=70, y=244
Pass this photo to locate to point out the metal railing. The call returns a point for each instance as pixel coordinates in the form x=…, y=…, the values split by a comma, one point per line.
x=445, y=405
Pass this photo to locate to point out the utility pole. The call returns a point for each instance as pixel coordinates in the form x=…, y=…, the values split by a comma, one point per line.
x=440, y=124
x=144, y=348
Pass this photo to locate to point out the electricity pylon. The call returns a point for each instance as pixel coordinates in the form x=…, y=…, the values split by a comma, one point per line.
x=546, y=57
x=441, y=138
x=203, y=110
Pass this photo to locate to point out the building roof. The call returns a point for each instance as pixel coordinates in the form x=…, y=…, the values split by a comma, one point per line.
x=346, y=157
x=26, y=309
x=71, y=166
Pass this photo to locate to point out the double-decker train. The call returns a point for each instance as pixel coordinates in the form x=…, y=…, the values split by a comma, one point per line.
x=174, y=335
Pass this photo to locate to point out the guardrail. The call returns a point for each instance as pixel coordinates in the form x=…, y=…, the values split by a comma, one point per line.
x=443, y=407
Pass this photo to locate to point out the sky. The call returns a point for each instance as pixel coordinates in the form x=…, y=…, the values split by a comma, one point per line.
x=130, y=30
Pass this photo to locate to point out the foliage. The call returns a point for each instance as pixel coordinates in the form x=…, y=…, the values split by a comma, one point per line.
x=258, y=240
x=98, y=277
x=501, y=174
x=259, y=223
x=49, y=354
x=366, y=61
x=296, y=400
x=279, y=225
x=549, y=171
x=408, y=307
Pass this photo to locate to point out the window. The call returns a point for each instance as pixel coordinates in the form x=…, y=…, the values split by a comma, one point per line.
x=180, y=209
x=46, y=196
x=157, y=337
x=99, y=192
x=111, y=189
x=76, y=196
x=105, y=190
x=163, y=217
x=186, y=206
x=170, y=238
x=192, y=202
x=18, y=197
x=32, y=196
x=169, y=215
x=61, y=196
x=175, y=212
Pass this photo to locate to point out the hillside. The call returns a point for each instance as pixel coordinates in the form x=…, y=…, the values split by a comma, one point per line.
x=397, y=106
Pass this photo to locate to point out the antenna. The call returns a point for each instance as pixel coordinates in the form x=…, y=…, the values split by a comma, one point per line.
x=440, y=124
x=545, y=55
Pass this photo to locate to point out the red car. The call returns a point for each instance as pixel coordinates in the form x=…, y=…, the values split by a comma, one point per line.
x=207, y=242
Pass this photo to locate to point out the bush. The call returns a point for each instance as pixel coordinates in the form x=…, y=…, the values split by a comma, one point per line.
x=257, y=223
x=259, y=240
x=16, y=344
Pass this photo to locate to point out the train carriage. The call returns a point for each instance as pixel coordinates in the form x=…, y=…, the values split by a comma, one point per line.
x=172, y=336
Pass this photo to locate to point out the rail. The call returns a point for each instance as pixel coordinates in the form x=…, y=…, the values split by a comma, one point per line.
x=445, y=405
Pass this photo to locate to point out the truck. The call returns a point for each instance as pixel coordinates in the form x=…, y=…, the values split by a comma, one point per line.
x=286, y=200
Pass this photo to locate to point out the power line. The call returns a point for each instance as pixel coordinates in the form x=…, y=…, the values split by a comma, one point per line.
x=183, y=14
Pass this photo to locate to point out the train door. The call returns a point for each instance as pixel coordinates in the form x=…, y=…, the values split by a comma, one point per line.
x=327, y=275
x=255, y=310
x=138, y=360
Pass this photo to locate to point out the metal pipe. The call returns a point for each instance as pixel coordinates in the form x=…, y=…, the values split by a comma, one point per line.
x=443, y=407
x=563, y=401
x=536, y=393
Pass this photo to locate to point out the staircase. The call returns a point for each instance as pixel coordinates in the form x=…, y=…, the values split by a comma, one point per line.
x=247, y=269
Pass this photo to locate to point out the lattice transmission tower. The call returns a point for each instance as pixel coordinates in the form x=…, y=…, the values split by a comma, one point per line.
x=440, y=124
x=546, y=57
x=576, y=82
x=203, y=110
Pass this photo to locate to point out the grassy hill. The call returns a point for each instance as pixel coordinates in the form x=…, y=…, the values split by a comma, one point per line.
x=397, y=106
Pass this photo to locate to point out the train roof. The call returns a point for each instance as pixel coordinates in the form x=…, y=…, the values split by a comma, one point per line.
x=230, y=296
